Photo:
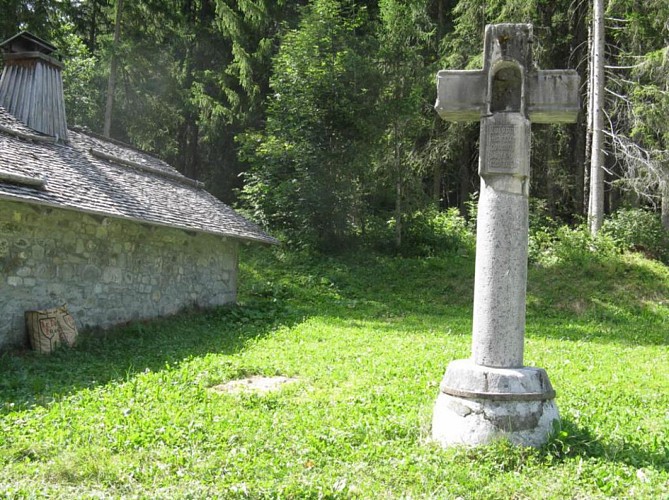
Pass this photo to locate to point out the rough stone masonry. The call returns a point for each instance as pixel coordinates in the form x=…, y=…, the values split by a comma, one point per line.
x=492, y=394
x=108, y=270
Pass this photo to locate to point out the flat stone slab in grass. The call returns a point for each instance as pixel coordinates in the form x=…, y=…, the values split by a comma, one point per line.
x=255, y=383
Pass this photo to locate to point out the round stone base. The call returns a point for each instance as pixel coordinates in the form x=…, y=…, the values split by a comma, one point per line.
x=477, y=405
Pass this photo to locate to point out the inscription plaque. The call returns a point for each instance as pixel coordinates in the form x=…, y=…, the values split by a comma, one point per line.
x=501, y=145
x=505, y=145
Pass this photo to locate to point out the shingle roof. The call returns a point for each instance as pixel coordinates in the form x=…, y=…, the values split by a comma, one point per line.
x=94, y=175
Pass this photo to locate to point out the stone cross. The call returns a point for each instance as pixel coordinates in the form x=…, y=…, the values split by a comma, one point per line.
x=493, y=394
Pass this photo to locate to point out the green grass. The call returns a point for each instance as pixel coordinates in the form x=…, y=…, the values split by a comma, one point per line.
x=131, y=412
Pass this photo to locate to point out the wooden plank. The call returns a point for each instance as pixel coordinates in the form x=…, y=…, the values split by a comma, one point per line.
x=23, y=180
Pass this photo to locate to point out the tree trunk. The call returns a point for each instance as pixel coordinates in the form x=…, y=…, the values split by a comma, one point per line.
x=580, y=133
x=191, y=145
x=93, y=31
x=436, y=185
x=665, y=206
x=578, y=140
x=463, y=176
x=551, y=188
x=398, y=189
x=437, y=171
x=111, y=84
x=596, y=205
x=588, y=125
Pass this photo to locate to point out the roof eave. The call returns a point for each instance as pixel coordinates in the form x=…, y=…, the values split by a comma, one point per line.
x=268, y=240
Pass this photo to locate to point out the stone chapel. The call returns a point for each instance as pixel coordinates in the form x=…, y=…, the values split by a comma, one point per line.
x=114, y=232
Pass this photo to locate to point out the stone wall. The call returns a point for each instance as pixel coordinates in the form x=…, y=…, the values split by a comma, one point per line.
x=108, y=271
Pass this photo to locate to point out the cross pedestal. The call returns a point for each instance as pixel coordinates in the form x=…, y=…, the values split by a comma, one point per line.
x=492, y=394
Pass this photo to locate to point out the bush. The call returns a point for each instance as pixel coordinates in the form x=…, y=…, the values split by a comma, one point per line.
x=569, y=245
x=542, y=231
x=638, y=230
x=577, y=246
x=432, y=232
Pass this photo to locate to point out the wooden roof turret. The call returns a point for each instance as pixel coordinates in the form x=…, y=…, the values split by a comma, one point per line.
x=27, y=42
x=31, y=85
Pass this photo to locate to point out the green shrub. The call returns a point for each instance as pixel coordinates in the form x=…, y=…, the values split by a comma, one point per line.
x=569, y=245
x=577, y=246
x=472, y=209
x=427, y=232
x=542, y=231
x=540, y=245
x=433, y=232
x=638, y=230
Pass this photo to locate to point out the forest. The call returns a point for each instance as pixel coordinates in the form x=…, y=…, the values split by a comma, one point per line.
x=316, y=118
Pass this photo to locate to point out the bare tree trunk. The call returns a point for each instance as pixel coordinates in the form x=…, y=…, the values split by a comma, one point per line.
x=111, y=84
x=588, y=127
x=596, y=205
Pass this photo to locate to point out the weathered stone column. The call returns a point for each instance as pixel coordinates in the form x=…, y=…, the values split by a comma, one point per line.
x=492, y=394
x=501, y=241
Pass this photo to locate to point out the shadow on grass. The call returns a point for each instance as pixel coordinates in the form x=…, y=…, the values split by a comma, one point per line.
x=28, y=378
x=574, y=441
x=394, y=293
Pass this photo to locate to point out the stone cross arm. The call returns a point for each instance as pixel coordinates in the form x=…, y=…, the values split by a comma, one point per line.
x=464, y=95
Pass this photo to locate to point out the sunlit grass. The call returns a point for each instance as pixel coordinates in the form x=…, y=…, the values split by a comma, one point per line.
x=131, y=413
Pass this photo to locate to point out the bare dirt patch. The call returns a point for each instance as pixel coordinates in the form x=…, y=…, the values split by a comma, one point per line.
x=255, y=383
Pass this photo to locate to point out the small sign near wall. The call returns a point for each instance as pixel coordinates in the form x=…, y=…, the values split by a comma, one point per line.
x=49, y=328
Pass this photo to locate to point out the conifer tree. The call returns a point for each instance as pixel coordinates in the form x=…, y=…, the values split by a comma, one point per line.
x=308, y=164
x=405, y=37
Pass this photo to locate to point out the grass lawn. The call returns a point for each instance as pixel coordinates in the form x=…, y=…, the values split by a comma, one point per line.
x=132, y=413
